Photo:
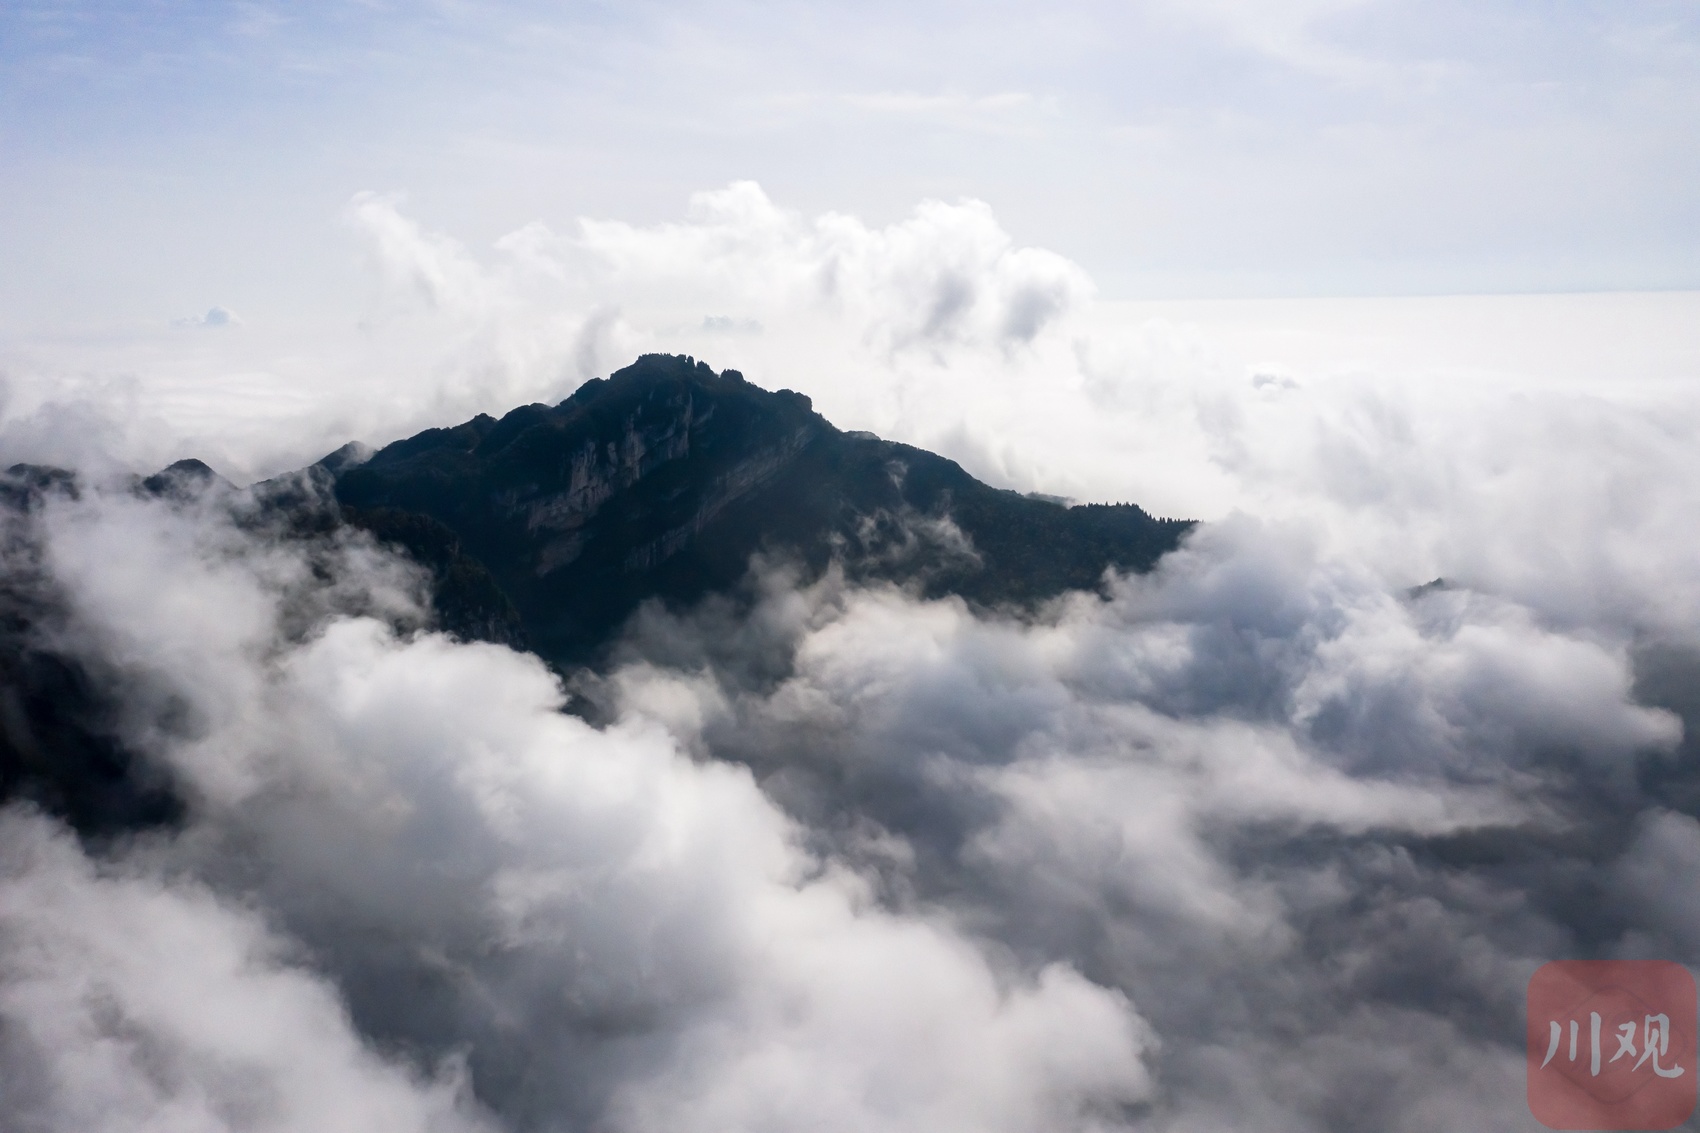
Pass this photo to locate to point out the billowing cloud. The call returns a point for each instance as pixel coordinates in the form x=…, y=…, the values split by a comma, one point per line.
x=1320, y=832
x=407, y=828
x=1271, y=837
x=133, y=1001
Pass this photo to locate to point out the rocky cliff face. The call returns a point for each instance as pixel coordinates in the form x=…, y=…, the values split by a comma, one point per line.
x=546, y=530
x=664, y=479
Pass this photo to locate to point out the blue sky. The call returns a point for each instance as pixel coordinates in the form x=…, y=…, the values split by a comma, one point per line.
x=1229, y=265
x=172, y=156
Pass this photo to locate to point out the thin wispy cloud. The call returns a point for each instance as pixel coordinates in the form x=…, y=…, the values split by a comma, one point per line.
x=1231, y=149
x=1271, y=836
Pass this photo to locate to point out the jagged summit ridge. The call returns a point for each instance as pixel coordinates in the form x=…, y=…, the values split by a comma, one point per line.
x=665, y=478
x=547, y=529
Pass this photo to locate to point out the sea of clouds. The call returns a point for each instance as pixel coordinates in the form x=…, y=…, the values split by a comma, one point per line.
x=1272, y=837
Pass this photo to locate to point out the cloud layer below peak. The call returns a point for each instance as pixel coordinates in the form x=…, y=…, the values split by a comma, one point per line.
x=1273, y=835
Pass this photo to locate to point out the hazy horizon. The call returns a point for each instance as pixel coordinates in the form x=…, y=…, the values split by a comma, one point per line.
x=160, y=161
x=1401, y=300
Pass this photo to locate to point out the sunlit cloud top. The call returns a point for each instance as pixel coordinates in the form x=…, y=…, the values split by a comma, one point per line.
x=159, y=159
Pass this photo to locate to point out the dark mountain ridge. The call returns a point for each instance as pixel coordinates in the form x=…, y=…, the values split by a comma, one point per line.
x=548, y=528
x=663, y=480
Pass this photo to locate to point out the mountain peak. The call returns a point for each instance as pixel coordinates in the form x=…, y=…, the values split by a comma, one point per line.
x=662, y=480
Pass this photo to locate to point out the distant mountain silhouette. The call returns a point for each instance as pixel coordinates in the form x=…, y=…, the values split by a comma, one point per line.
x=59, y=720
x=663, y=480
x=548, y=528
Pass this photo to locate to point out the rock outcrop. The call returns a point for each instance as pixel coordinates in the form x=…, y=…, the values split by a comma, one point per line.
x=663, y=480
x=545, y=530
